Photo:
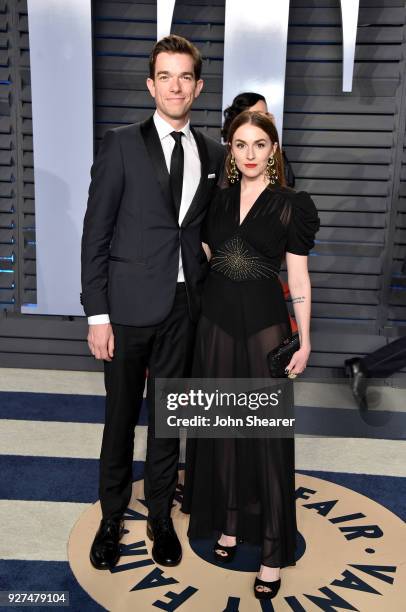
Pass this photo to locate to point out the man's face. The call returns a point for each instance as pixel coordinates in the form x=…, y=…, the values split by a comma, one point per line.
x=174, y=86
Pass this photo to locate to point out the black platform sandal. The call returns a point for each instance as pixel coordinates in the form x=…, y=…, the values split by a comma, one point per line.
x=273, y=588
x=224, y=558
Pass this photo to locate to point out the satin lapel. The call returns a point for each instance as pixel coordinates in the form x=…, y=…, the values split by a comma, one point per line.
x=156, y=154
x=199, y=199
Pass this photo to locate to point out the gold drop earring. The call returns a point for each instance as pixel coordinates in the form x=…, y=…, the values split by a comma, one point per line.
x=270, y=171
x=232, y=174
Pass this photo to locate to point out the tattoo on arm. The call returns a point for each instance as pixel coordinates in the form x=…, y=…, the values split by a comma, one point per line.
x=298, y=300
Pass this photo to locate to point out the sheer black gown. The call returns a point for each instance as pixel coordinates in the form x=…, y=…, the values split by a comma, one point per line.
x=245, y=487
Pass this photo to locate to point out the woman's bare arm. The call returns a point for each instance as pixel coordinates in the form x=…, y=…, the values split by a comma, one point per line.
x=300, y=292
x=206, y=249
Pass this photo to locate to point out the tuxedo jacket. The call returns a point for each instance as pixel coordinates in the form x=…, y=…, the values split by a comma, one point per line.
x=131, y=235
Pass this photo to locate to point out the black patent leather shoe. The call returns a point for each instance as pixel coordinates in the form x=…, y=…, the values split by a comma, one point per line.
x=166, y=549
x=359, y=381
x=105, y=550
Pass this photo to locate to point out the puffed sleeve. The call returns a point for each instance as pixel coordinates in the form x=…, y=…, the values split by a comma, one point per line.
x=303, y=225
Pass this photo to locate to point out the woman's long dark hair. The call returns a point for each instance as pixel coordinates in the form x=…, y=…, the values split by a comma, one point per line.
x=263, y=122
x=242, y=102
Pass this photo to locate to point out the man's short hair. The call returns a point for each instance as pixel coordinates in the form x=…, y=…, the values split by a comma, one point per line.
x=175, y=44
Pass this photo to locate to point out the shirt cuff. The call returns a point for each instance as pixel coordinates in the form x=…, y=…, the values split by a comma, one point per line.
x=98, y=319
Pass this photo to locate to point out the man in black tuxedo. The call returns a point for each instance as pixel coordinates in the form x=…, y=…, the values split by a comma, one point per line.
x=142, y=272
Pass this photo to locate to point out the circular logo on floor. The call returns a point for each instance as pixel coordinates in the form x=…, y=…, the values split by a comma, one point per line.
x=350, y=556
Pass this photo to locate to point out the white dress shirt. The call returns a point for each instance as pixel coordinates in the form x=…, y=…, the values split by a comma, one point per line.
x=191, y=179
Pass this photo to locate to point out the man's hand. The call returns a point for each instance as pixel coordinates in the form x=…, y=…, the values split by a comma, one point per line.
x=101, y=341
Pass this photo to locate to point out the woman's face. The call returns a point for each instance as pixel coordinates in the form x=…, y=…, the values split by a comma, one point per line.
x=251, y=148
x=259, y=106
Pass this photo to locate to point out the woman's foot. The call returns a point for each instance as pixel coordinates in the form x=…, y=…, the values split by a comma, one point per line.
x=226, y=540
x=269, y=573
x=224, y=549
x=267, y=582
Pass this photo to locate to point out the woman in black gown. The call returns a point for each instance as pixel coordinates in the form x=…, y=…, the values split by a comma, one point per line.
x=244, y=489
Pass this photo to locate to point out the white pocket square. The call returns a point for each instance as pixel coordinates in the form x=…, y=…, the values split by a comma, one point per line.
x=211, y=176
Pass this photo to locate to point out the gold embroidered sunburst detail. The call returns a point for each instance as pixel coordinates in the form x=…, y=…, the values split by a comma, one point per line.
x=235, y=261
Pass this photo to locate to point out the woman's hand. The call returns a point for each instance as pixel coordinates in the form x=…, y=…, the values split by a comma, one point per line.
x=299, y=360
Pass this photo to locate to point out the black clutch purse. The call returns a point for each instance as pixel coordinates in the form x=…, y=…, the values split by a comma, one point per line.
x=280, y=356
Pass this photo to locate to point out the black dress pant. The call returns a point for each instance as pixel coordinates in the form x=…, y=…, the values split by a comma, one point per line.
x=387, y=360
x=166, y=350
